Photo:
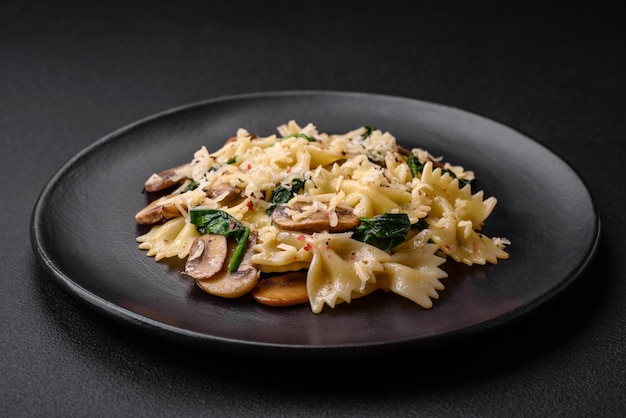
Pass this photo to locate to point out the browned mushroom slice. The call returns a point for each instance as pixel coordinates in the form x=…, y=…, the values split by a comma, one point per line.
x=284, y=290
x=224, y=188
x=151, y=214
x=206, y=256
x=237, y=283
x=317, y=222
x=438, y=164
x=164, y=179
x=170, y=210
x=404, y=151
x=156, y=211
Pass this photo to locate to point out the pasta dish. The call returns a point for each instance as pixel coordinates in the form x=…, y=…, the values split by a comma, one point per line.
x=304, y=216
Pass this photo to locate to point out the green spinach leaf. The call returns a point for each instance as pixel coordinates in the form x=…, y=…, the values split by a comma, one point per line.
x=383, y=231
x=282, y=194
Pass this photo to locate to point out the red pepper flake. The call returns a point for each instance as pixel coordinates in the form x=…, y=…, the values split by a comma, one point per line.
x=308, y=246
x=448, y=247
x=288, y=170
x=329, y=255
x=301, y=237
x=232, y=225
x=474, y=247
x=249, y=204
x=249, y=166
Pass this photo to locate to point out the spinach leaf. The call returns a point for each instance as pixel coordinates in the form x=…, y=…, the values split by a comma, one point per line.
x=300, y=135
x=282, y=194
x=215, y=221
x=462, y=182
x=193, y=185
x=421, y=224
x=237, y=256
x=414, y=165
x=416, y=170
x=383, y=231
x=368, y=131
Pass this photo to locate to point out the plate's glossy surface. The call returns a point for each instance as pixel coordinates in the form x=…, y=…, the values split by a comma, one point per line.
x=83, y=228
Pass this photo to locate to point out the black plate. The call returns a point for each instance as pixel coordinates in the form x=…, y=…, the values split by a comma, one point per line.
x=83, y=228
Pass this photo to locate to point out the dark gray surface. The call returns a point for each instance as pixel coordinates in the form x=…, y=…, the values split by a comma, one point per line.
x=70, y=75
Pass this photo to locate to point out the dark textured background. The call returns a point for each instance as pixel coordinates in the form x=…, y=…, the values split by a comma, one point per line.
x=72, y=72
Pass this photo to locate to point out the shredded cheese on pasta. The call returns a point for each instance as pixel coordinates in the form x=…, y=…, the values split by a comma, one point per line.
x=363, y=171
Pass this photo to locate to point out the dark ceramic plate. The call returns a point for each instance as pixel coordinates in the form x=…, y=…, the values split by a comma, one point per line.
x=83, y=228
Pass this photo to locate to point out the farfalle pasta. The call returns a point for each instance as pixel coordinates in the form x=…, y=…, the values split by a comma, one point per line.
x=306, y=216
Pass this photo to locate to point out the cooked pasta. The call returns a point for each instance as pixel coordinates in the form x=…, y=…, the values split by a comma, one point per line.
x=352, y=212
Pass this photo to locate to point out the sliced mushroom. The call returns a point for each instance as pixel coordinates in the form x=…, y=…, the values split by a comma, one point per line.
x=207, y=256
x=284, y=290
x=225, y=189
x=317, y=222
x=170, y=210
x=164, y=179
x=237, y=283
x=156, y=211
x=404, y=151
x=151, y=214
